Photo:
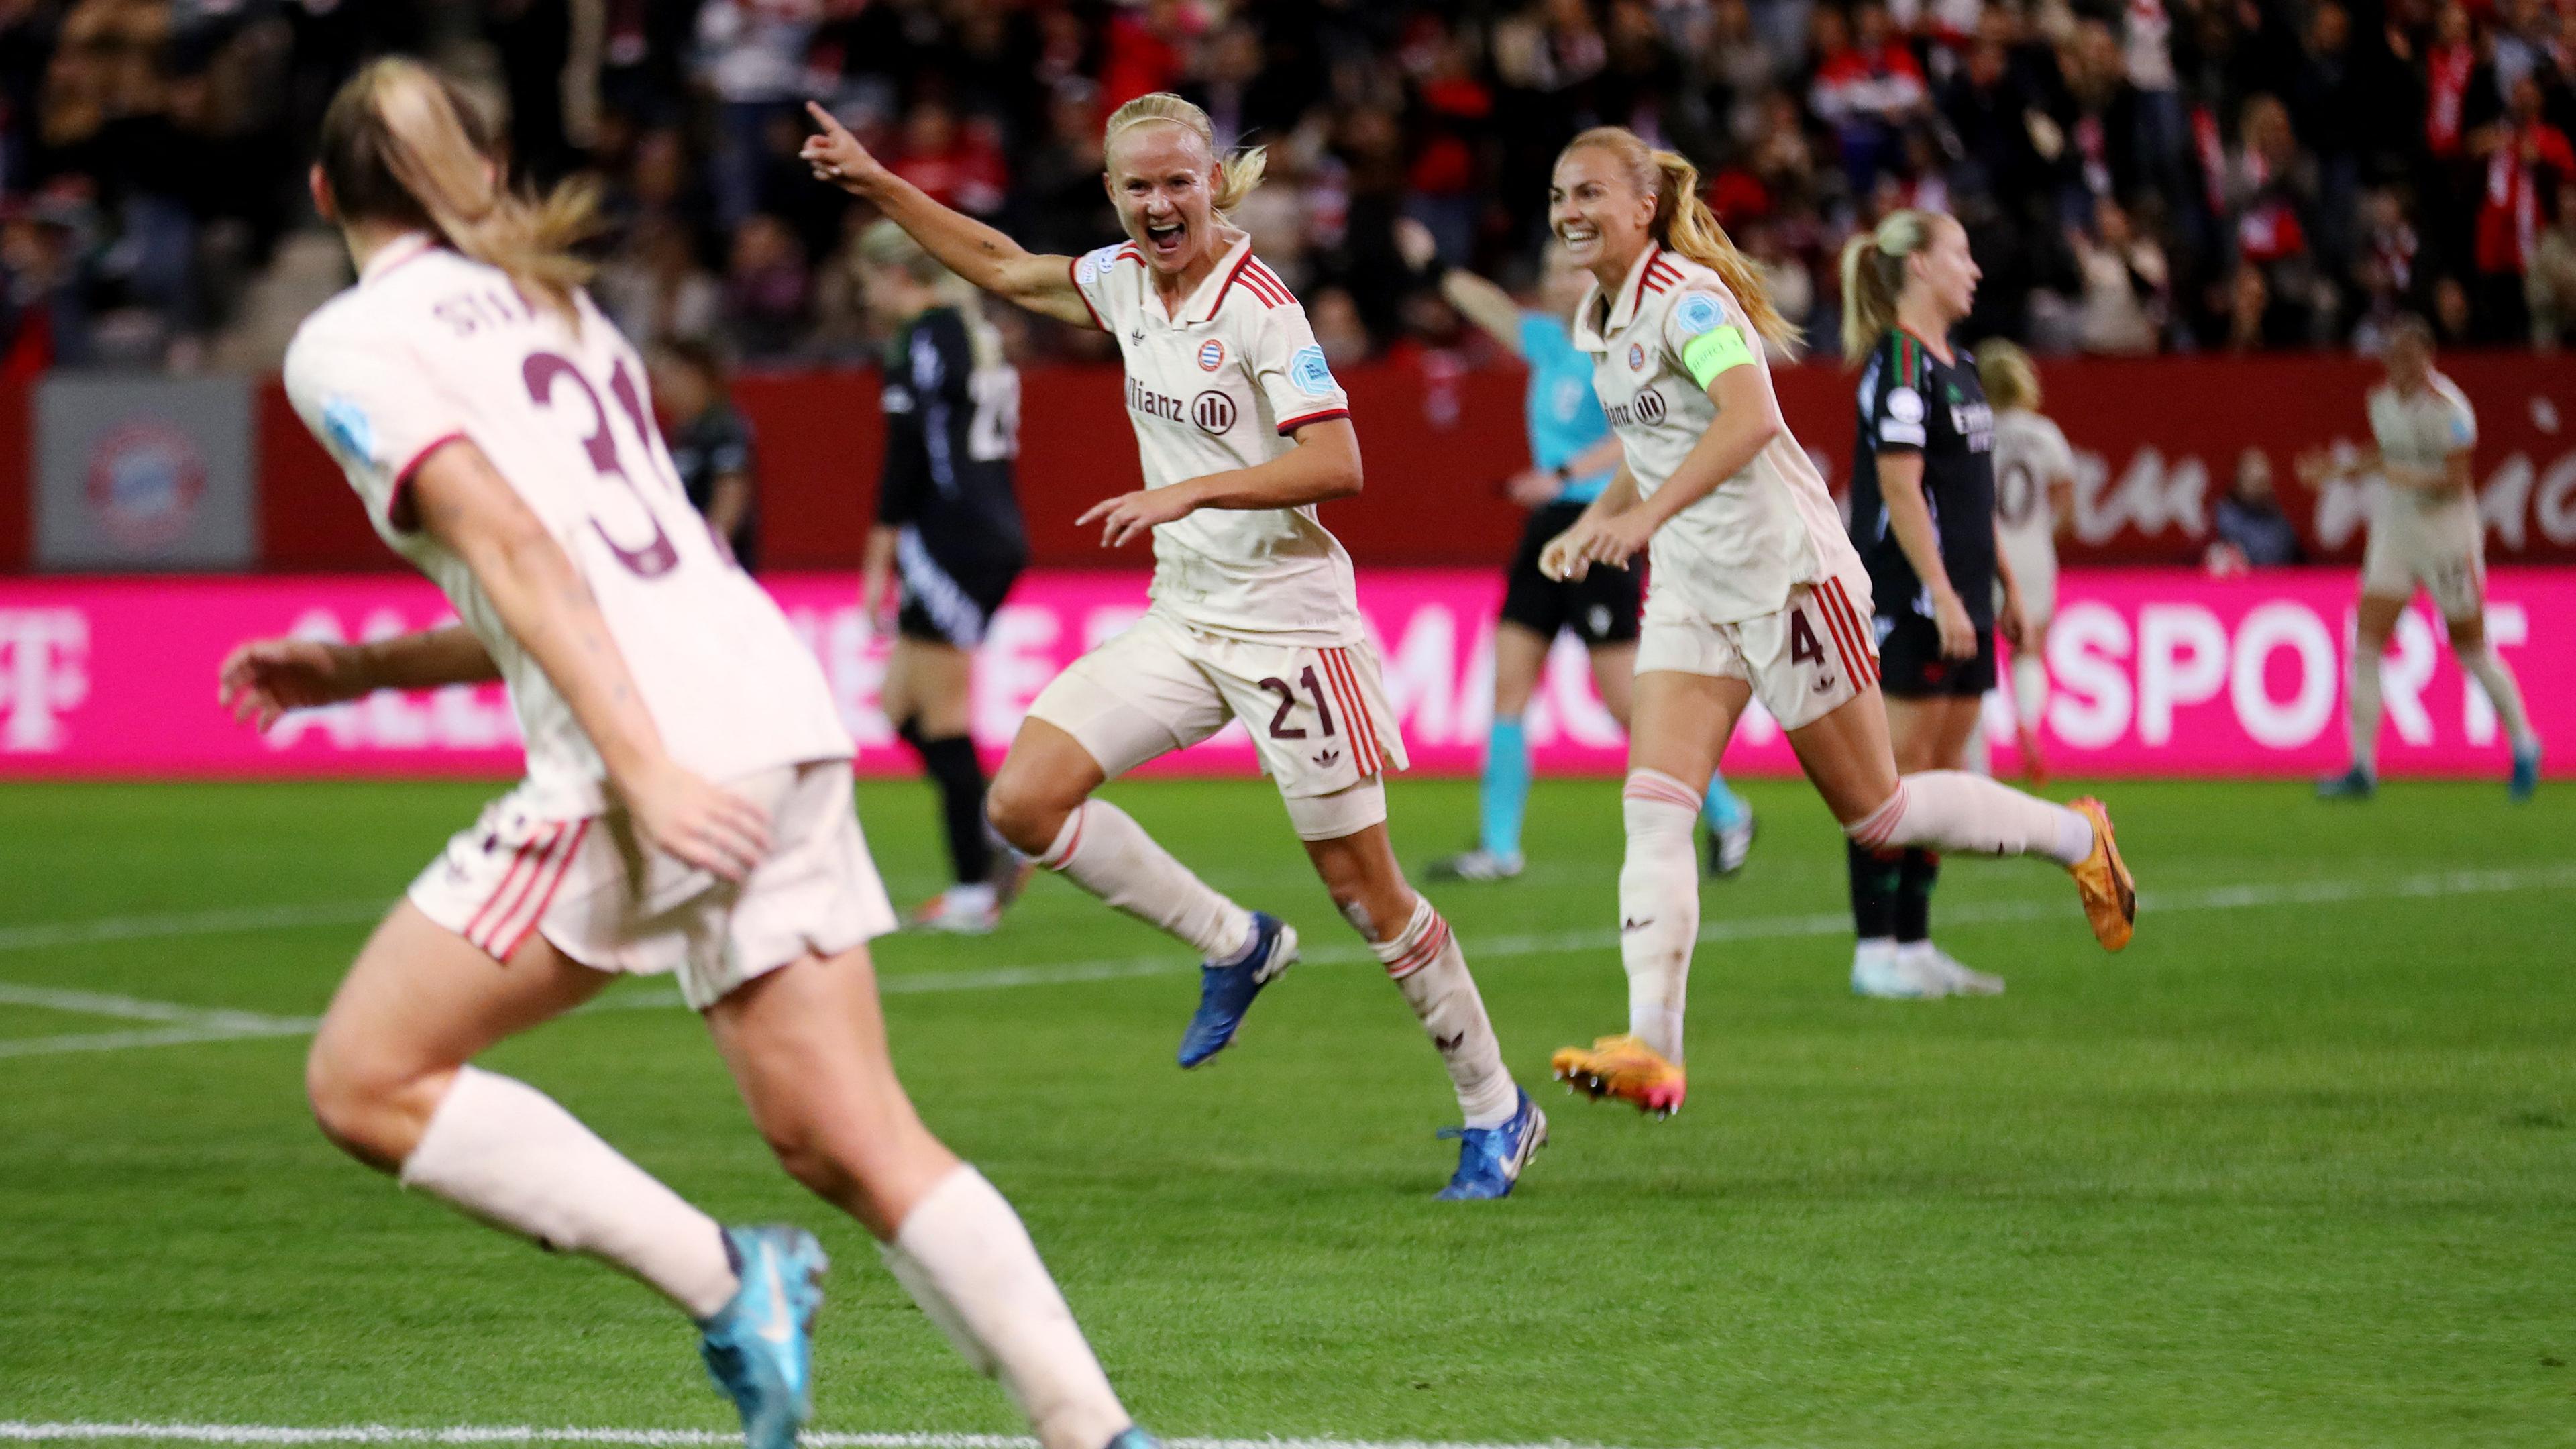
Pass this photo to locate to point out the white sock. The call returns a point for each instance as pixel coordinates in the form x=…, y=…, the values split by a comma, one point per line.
x=1953, y=810
x=1432, y=973
x=2498, y=681
x=965, y=1257
x=1103, y=850
x=504, y=1152
x=2364, y=709
x=1974, y=756
x=1658, y=906
x=2030, y=689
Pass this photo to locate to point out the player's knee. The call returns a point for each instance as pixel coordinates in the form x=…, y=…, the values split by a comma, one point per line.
x=358, y=1110
x=1022, y=813
x=2468, y=636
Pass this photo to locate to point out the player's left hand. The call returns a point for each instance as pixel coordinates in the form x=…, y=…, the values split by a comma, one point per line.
x=263, y=679
x=1132, y=515
x=1561, y=561
x=2009, y=621
x=1616, y=540
x=1533, y=487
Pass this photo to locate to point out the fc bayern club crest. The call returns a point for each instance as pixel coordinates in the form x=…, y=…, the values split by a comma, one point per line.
x=1636, y=357
x=145, y=478
x=1211, y=355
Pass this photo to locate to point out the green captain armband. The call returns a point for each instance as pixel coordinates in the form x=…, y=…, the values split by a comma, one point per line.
x=1717, y=350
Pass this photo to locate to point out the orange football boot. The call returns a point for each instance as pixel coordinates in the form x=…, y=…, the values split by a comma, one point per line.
x=1624, y=1069
x=2110, y=893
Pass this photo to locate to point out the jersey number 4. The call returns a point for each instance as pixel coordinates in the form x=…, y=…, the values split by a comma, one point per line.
x=542, y=371
x=1280, y=729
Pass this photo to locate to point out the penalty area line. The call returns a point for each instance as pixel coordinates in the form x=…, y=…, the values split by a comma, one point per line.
x=25, y=1432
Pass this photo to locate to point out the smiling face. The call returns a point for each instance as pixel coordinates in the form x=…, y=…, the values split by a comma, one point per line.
x=1596, y=211
x=1162, y=179
x=1943, y=273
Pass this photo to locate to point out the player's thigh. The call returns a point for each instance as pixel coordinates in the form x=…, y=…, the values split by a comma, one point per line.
x=1520, y=655
x=806, y=1044
x=1614, y=678
x=935, y=682
x=1319, y=717
x=419, y=1002
x=2375, y=616
x=1930, y=732
x=1140, y=694
x=1846, y=756
x=1680, y=722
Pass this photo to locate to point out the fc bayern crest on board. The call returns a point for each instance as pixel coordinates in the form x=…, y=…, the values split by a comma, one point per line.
x=1636, y=357
x=145, y=478
x=1211, y=355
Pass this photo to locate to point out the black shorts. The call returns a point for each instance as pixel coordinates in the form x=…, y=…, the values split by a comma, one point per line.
x=1601, y=607
x=1911, y=667
x=949, y=602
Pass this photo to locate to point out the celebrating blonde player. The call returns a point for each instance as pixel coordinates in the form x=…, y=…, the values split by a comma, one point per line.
x=1756, y=591
x=1242, y=431
x=2425, y=531
x=687, y=807
x=2034, y=504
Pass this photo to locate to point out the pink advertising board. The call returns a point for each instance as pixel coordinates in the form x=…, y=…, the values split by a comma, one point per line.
x=2156, y=672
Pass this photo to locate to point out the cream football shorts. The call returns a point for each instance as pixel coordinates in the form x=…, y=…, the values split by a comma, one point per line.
x=2442, y=548
x=1318, y=714
x=594, y=889
x=1804, y=662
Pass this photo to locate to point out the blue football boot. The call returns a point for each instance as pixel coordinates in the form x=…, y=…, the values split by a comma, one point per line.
x=760, y=1347
x=1490, y=1159
x=2526, y=775
x=2353, y=784
x=1133, y=1437
x=1226, y=989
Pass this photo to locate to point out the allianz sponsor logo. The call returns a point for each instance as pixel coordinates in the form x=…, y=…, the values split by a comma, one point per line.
x=44, y=677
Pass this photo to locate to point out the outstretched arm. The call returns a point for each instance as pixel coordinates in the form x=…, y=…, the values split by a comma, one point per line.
x=983, y=256
x=263, y=679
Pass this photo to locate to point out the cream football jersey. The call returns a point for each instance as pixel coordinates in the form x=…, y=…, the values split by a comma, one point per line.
x=1217, y=385
x=2030, y=453
x=1735, y=554
x=430, y=348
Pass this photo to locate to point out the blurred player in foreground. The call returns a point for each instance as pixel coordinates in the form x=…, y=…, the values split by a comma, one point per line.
x=1242, y=431
x=2425, y=531
x=1923, y=516
x=948, y=526
x=687, y=807
x=1572, y=457
x=2034, y=504
x=1756, y=588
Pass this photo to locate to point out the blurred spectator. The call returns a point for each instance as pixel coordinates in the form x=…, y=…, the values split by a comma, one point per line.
x=1867, y=87
x=766, y=291
x=654, y=289
x=959, y=166
x=710, y=443
x=2527, y=159
x=751, y=55
x=2550, y=287
x=2250, y=529
x=2124, y=278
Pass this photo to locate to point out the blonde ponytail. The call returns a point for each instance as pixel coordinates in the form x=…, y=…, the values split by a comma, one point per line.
x=401, y=144
x=1235, y=174
x=2007, y=375
x=1874, y=277
x=1683, y=223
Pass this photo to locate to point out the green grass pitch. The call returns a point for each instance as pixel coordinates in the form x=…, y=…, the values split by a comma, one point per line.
x=2299, y=1168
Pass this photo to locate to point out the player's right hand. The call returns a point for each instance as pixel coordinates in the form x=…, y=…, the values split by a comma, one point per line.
x=1563, y=558
x=1533, y=487
x=701, y=825
x=837, y=157
x=263, y=679
x=1958, y=631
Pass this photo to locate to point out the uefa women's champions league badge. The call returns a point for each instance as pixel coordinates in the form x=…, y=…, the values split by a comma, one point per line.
x=345, y=425
x=1697, y=312
x=1308, y=370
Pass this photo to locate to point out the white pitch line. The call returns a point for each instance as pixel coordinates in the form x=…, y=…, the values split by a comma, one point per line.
x=19, y=1431
x=198, y=1025
x=189, y=923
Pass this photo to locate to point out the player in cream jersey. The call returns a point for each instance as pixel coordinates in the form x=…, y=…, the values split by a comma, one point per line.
x=1738, y=550
x=1224, y=383
x=2425, y=532
x=2034, y=502
x=1755, y=592
x=687, y=808
x=1242, y=432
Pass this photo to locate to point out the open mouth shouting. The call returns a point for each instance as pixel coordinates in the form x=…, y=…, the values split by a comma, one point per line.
x=1582, y=241
x=1166, y=238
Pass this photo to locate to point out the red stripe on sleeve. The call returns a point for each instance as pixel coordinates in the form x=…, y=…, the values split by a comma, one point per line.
x=1293, y=424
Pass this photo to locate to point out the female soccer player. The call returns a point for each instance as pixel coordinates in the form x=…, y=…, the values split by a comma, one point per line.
x=687, y=807
x=1923, y=516
x=1756, y=588
x=1572, y=457
x=1242, y=431
x=2424, y=530
x=948, y=525
x=2034, y=504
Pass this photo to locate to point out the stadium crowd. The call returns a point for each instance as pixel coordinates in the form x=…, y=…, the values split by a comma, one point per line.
x=2135, y=177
